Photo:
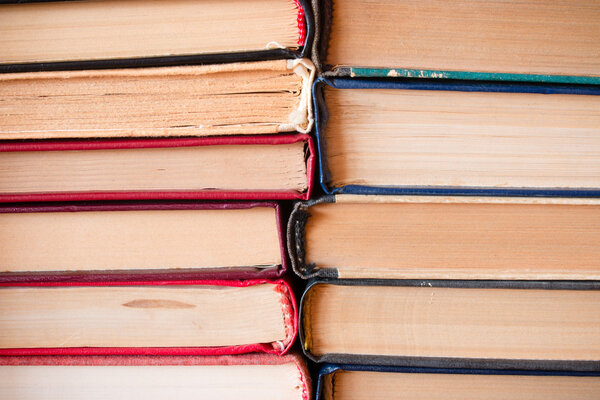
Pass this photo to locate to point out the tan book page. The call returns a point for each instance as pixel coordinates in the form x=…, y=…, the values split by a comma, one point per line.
x=355, y=385
x=456, y=239
x=138, y=240
x=95, y=29
x=231, y=167
x=392, y=137
x=520, y=37
x=453, y=322
x=140, y=316
x=192, y=382
x=222, y=99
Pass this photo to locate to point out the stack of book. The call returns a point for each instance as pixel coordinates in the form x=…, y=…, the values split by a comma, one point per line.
x=144, y=145
x=456, y=251
x=151, y=152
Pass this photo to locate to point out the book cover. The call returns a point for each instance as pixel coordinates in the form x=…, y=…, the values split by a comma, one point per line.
x=89, y=172
x=445, y=237
x=387, y=325
x=181, y=245
x=244, y=98
x=334, y=381
x=110, y=39
x=185, y=377
x=541, y=42
x=157, y=318
x=434, y=140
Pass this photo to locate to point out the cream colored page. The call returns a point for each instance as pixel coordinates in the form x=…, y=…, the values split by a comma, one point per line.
x=382, y=137
x=355, y=385
x=455, y=323
x=199, y=100
x=139, y=316
x=139, y=240
x=92, y=29
x=455, y=240
x=555, y=37
x=225, y=167
x=231, y=382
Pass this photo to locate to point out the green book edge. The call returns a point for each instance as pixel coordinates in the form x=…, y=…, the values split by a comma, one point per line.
x=462, y=75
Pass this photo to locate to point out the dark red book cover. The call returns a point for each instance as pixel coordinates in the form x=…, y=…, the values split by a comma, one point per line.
x=173, y=274
x=282, y=289
x=128, y=144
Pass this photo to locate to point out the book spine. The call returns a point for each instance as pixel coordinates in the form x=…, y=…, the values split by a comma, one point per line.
x=296, y=241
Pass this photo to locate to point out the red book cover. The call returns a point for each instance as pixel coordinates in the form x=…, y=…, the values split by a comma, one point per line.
x=293, y=378
x=134, y=255
x=71, y=176
x=143, y=312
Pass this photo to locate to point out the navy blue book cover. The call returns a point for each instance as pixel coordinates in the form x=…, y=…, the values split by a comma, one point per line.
x=432, y=85
x=326, y=375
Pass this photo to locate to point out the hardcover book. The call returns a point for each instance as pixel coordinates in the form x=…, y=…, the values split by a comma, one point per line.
x=216, y=168
x=141, y=241
x=44, y=35
x=383, y=137
x=453, y=324
x=190, y=100
x=196, y=317
x=544, y=41
x=252, y=376
x=446, y=237
x=350, y=382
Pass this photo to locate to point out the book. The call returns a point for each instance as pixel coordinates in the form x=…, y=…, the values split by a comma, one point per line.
x=348, y=382
x=190, y=100
x=382, y=137
x=94, y=33
x=196, y=317
x=251, y=376
x=545, y=41
x=228, y=167
x=446, y=237
x=131, y=241
x=453, y=324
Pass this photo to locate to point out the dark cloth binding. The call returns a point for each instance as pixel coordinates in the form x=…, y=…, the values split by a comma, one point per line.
x=295, y=240
x=322, y=13
x=148, y=62
x=460, y=363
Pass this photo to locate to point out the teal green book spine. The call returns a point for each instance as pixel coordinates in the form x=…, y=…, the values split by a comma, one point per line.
x=358, y=72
